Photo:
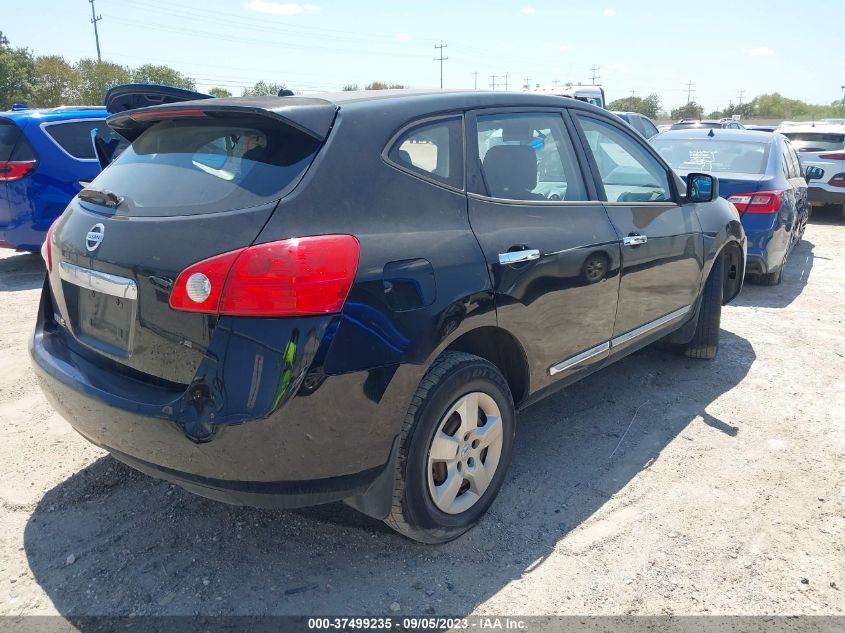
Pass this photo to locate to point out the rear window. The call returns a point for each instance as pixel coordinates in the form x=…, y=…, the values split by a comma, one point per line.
x=816, y=141
x=13, y=144
x=189, y=167
x=691, y=124
x=74, y=137
x=711, y=155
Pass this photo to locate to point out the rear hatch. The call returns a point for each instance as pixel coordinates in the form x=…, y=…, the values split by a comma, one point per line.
x=199, y=179
x=820, y=148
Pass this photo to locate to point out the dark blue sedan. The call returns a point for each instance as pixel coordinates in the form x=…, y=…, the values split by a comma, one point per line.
x=760, y=174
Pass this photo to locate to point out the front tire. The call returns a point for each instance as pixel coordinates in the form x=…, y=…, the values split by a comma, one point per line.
x=705, y=341
x=454, y=450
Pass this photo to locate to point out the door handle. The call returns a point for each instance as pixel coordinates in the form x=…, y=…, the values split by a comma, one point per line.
x=516, y=257
x=634, y=240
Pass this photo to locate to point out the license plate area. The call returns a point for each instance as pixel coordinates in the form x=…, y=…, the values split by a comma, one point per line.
x=102, y=309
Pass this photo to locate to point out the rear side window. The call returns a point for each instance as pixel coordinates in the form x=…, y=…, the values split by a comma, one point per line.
x=196, y=166
x=13, y=144
x=528, y=157
x=432, y=150
x=74, y=137
x=648, y=128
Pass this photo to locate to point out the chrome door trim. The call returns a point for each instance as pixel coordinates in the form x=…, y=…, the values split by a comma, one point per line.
x=648, y=327
x=99, y=281
x=579, y=358
x=516, y=257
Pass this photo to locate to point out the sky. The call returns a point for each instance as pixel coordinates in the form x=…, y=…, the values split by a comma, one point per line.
x=640, y=47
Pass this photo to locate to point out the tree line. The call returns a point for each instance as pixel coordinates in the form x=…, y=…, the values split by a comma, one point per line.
x=766, y=106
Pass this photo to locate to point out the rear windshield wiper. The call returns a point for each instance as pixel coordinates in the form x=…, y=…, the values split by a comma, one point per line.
x=104, y=198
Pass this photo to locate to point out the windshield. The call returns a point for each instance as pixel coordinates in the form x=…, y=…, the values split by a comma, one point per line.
x=710, y=155
x=188, y=167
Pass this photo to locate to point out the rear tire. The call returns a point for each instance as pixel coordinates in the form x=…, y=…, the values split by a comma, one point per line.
x=458, y=392
x=705, y=341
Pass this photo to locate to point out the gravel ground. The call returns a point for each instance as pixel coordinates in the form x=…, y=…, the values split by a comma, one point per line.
x=662, y=485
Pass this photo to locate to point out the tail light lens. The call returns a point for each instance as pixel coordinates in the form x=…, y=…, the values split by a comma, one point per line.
x=47, y=246
x=838, y=180
x=834, y=156
x=759, y=202
x=295, y=277
x=15, y=170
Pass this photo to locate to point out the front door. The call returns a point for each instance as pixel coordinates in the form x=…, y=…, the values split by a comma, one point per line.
x=662, y=248
x=551, y=250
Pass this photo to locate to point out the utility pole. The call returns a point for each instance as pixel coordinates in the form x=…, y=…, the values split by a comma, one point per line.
x=690, y=86
x=506, y=81
x=740, y=95
x=594, y=70
x=633, y=94
x=526, y=83
x=555, y=83
x=493, y=81
x=475, y=77
x=94, y=19
x=440, y=59
x=843, y=97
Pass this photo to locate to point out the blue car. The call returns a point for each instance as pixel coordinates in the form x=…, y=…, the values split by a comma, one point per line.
x=760, y=174
x=46, y=157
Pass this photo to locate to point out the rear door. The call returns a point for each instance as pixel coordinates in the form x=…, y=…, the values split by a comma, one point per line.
x=797, y=187
x=551, y=250
x=662, y=249
x=190, y=186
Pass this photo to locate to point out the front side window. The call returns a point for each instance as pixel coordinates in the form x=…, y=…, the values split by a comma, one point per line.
x=528, y=157
x=432, y=150
x=628, y=171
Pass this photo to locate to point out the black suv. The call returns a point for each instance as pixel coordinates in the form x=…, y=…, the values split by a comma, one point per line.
x=289, y=301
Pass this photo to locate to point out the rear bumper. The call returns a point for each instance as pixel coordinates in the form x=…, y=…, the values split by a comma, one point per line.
x=819, y=196
x=328, y=442
x=22, y=237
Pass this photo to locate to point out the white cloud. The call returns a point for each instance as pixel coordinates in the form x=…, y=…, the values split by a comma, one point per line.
x=563, y=48
x=761, y=51
x=278, y=8
x=609, y=13
x=529, y=11
x=403, y=37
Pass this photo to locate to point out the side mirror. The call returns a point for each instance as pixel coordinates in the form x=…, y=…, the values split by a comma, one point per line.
x=702, y=188
x=813, y=173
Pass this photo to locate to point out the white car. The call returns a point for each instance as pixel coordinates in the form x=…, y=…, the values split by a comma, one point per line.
x=821, y=145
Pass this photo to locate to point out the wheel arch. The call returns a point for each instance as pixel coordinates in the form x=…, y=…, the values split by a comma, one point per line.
x=733, y=269
x=501, y=348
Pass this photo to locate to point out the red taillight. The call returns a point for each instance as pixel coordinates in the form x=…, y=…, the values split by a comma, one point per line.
x=838, y=180
x=834, y=156
x=295, y=277
x=760, y=202
x=47, y=246
x=15, y=170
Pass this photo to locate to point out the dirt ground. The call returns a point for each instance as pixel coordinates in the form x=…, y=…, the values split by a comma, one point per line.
x=662, y=485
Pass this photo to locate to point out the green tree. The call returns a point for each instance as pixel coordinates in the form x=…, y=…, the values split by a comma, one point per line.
x=689, y=111
x=164, y=75
x=649, y=106
x=56, y=82
x=96, y=77
x=219, y=92
x=264, y=89
x=17, y=74
x=376, y=85
x=351, y=87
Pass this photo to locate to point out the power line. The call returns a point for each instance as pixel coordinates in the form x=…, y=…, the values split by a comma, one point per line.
x=690, y=86
x=441, y=59
x=94, y=19
x=493, y=81
x=594, y=69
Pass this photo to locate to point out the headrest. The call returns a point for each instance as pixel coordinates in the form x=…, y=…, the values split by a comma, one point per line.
x=510, y=170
